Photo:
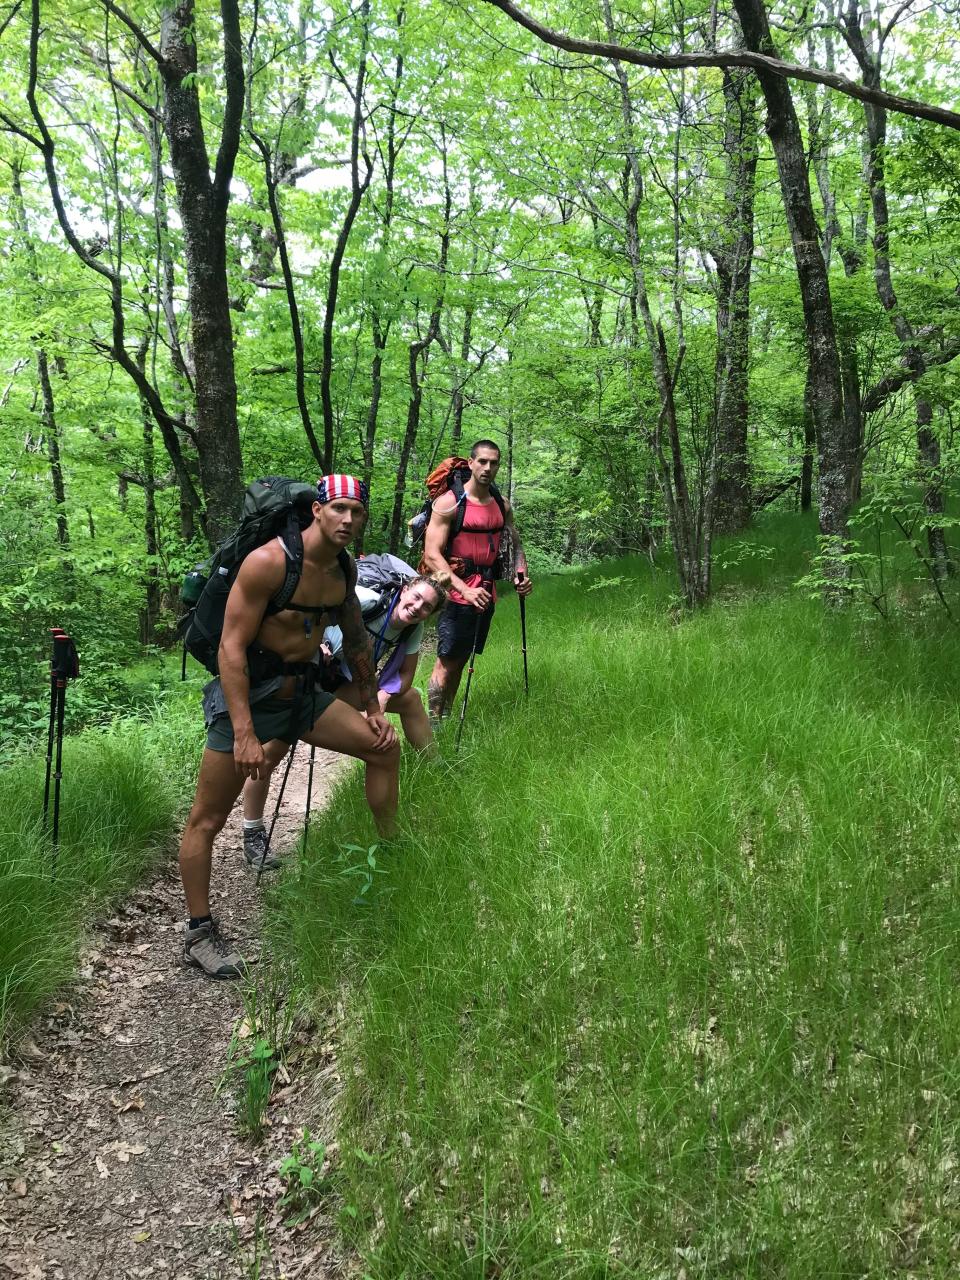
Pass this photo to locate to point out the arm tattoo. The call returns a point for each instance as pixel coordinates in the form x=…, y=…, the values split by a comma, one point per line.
x=356, y=649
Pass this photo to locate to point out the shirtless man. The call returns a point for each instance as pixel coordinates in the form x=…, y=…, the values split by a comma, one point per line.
x=397, y=639
x=469, y=559
x=250, y=726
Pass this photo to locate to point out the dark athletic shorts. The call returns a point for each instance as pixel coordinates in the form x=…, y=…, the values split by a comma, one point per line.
x=456, y=627
x=281, y=718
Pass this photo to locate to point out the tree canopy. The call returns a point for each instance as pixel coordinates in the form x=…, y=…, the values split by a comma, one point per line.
x=681, y=261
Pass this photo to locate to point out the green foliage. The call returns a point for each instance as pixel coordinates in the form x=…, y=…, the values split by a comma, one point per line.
x=257, y=1046
x=302, y=1175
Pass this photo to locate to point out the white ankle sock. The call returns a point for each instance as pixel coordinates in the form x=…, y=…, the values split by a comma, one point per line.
x=254, y=824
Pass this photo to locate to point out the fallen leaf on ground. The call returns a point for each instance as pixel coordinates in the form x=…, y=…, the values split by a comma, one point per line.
x=28, y=1049
x=101, y=1165
x=127, y=1104
x=122, y=1151
x=146, y=1075
x=19, y=1187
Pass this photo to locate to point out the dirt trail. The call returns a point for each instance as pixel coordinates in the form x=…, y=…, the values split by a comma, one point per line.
x=116, y=1158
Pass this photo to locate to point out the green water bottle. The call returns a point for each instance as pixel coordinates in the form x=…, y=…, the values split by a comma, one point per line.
x=193, y=584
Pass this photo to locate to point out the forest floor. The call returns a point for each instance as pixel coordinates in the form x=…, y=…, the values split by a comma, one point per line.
x=119, y=1155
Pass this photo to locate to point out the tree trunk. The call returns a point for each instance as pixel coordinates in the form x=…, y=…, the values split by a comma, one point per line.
x=180, y=357
x=460, y=382
x=203, y=212
x=690, y=531
x=809, y=450
x=928, y=447
x=734, y=262
x=418, y=349
x=151, y=606
x=358, y=186
x=837, y=452
x=380, y=322
x=51, y=431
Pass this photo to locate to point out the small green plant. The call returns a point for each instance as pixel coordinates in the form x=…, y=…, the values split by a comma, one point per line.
x=258, y=1065
x=737, y=554
x=602, y=584
x=257, y=1046
x=359, y=864
x=302, y=1175
x=253, y=1255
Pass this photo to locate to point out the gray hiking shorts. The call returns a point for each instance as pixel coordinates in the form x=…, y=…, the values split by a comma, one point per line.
x=283, y=718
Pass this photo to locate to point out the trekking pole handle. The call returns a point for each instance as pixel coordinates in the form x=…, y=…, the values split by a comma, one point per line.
x=66, y=664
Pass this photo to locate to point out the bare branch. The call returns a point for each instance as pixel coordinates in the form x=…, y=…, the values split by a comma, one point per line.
x=889, y=385
x=10, y=16
x=731, y=58
x=141, y=36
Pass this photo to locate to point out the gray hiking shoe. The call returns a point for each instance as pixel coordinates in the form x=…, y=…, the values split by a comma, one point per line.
x=254, y=848
x=206, y=948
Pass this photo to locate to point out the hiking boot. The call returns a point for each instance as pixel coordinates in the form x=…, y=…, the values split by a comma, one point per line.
x=206, y=948
x=255, y=847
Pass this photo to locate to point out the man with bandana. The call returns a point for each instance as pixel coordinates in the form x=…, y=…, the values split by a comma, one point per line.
x=250, y=726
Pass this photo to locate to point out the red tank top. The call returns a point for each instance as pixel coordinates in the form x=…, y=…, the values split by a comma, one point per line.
x=478, y=540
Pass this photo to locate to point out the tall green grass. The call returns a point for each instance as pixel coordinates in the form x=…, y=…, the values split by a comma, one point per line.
x=661, y=979
x=121, y=794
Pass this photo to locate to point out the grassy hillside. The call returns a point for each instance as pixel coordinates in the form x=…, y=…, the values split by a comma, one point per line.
x=661, y=978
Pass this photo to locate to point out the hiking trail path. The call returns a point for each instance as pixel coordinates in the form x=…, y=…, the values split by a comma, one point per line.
x=118, y=1157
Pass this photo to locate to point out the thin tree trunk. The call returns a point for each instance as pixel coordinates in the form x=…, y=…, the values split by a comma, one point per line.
x=928, y=447
x=203, y=202
x=358, y=186
x=180, y=357
x=421, y=350
x=809, y=452
x=464, y=364
x=151, y=574
x=837, y=452
x=51, y=430
x=690, y=534
x=51, y=427
x=381, y=323
x=734, y=264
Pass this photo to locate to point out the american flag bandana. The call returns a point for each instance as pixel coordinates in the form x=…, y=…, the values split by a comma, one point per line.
x=330, y=487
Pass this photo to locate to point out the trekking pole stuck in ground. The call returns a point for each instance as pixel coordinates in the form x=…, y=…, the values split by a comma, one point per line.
x=64, y=666
x=473, y=654
x=523, y=638
x=276, y=809
x=306, y=816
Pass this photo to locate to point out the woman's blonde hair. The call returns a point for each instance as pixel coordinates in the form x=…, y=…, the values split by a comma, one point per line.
x=439, y=583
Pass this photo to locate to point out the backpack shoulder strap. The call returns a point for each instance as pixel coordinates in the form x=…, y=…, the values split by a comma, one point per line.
x=349, y=566
x=500, y=502
x=292, y=542
x=459, y=513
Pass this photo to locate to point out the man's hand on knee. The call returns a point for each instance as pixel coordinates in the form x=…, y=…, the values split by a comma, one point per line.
x=385, y=734
x=248, y=757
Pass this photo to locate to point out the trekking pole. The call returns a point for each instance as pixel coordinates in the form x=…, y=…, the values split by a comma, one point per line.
x=64, y=666
x=466, y=692
x=523, y=638
x=276, y=809
x=306, y=816
x=55, y=632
